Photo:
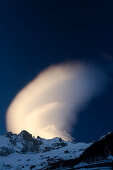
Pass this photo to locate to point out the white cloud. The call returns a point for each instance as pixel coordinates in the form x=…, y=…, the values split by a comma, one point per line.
x=48, y=105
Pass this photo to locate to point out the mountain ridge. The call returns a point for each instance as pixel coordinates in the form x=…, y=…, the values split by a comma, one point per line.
x=39, y=151
x=23, y=151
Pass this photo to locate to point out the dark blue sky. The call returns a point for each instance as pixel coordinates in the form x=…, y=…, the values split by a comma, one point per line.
x=36, y=34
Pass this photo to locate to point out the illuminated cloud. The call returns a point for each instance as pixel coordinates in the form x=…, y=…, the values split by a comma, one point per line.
x=48, y=105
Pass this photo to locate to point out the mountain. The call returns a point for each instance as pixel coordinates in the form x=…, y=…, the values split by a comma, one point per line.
x=23, y=151
x=98, y=155
x=99, y=150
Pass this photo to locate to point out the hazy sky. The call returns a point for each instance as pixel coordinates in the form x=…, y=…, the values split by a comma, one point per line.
x=34, y=35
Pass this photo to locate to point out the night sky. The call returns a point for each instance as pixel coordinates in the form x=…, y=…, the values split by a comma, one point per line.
x=36, y=34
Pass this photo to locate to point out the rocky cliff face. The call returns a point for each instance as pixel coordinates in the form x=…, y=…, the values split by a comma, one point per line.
x=22, y=143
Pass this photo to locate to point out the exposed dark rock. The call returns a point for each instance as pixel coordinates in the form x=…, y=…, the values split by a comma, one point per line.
x=58, y=145
x=46, y=149
x=32, y=166
x=66, y=151
x=26, y=135
x=4, y=151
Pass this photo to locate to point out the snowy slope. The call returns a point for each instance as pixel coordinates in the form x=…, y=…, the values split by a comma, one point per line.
x=26, y=152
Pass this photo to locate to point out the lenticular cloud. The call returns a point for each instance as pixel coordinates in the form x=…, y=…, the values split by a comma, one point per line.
x=48, y=105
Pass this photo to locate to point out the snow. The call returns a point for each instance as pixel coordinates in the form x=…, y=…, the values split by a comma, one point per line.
x=83, y=164
x=4, y=141
x=110, y=157
x=48, y=151
x=102, y=137
x=58, y=149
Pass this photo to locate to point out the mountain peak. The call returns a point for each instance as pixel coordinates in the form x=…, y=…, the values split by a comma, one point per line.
x=25, y=135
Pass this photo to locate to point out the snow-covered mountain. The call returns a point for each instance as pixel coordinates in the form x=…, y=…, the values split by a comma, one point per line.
x=23, y=151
